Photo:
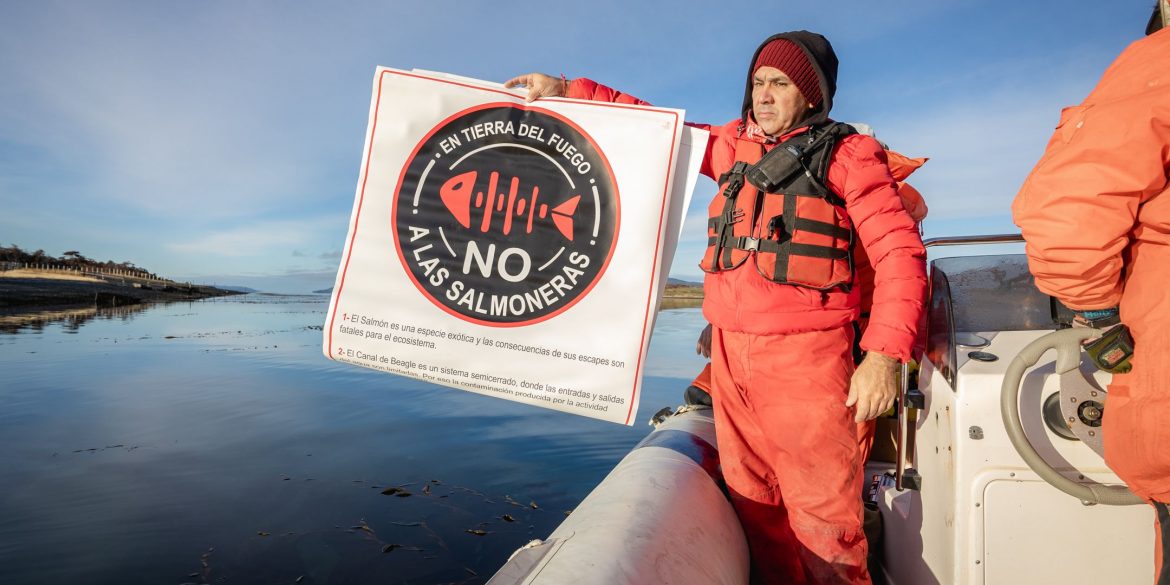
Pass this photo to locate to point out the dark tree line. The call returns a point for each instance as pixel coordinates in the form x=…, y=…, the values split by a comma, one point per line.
x=71, y=259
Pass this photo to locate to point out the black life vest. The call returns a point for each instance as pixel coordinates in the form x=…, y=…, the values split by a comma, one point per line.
x=798, y=230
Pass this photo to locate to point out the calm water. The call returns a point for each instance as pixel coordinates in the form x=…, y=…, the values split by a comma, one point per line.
x=211, y=442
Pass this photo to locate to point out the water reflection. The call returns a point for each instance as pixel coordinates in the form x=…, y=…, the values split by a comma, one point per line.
x=212, y=442
x=71, y=319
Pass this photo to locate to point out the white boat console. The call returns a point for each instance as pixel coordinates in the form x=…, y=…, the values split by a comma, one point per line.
x=974, y=509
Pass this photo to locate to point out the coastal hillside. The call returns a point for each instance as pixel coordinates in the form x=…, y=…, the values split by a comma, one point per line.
x=682, y=289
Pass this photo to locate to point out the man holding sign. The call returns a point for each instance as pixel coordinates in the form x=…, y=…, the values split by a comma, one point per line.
x=797, y=191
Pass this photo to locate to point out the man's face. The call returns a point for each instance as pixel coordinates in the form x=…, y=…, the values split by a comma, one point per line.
x=777, y=104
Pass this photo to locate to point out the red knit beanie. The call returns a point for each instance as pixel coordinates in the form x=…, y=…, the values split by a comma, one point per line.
x=784, y=55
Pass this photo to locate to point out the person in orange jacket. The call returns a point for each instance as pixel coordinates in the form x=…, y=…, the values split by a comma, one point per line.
x=778, y=294
x=901, y=166
x=1095, y=216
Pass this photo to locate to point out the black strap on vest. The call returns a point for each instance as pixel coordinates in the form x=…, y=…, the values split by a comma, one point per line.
x=821, y=142
x=772, y=246
x=731, y=214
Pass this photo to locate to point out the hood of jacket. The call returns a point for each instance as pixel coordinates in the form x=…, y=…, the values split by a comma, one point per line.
x=820, y=53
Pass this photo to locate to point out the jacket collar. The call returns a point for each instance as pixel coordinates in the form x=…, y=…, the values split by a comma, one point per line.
x=754, y=133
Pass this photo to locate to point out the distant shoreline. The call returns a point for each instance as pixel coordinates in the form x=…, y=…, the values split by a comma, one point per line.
x=683, y=291
x=679, y=290
x=30, y=288
x=44, y=288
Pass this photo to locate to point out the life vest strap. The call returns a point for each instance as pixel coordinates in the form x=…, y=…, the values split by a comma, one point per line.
x=773, y=247
x=738, y=169
x=822, y=228
x=720, y=224
x=734, y=216
x=816, y=251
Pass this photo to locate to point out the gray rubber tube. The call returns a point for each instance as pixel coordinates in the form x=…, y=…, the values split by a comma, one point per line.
x=1067, y=343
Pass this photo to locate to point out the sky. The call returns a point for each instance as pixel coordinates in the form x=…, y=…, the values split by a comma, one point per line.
x=220, y=141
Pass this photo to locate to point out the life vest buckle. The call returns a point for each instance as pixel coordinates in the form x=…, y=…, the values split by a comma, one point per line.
x=735, y=179
x=733, y=186
x=748, y=244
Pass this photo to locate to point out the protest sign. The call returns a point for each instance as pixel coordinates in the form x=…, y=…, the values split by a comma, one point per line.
x=507, y=248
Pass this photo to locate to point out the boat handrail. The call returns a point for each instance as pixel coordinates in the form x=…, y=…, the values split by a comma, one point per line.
x=971, y=240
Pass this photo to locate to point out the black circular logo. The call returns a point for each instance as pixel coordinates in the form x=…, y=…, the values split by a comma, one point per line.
x=505, y=215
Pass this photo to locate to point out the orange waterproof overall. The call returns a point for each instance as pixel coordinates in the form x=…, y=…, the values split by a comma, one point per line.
x=1096, y=218
x=789, y=452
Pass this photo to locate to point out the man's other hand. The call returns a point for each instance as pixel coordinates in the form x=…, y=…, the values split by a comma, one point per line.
x=540, y=85
x=874, y=386
x=703, y=345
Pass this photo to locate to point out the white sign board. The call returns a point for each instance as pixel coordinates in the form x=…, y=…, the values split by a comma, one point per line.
x=511, y=249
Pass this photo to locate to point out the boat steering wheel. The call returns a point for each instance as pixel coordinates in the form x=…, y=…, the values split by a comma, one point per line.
x=1077, y=407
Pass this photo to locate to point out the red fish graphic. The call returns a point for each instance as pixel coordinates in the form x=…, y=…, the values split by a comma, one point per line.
x=457, y=194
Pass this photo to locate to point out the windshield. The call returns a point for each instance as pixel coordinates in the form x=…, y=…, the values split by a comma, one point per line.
x=984, y=294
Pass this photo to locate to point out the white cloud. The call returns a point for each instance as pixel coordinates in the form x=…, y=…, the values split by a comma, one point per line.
x=165, y=119
x=260, y=238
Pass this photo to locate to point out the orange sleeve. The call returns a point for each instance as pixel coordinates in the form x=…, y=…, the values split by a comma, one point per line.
x=583, y=88
x=890, y=239
x=1109, y=155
